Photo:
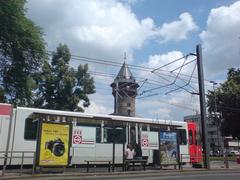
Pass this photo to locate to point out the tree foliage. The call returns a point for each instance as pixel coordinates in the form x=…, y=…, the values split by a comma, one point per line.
x=227, y=98
x=60, y=86
x=22, y=50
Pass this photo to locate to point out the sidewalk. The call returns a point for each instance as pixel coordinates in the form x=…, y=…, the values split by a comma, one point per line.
x=102, y=171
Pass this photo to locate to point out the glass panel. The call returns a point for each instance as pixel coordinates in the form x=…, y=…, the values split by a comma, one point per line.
x=98, y=134
x=182, y=137
x=30, y=131
x=132, y=135
x=109, y=135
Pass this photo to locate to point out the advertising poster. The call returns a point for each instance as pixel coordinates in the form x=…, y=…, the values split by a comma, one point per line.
x=168, y=147
x=54, y=144
x=149, y=140
x=83, y=136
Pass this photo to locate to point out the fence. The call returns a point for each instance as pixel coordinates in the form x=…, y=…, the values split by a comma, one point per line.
x=16, y=155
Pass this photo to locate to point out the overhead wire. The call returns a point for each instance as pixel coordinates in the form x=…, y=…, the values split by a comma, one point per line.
x=184, y=84
x=147, y=69
x=116, y=64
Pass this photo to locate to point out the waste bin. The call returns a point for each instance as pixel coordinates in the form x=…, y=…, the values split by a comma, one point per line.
x=238, y=159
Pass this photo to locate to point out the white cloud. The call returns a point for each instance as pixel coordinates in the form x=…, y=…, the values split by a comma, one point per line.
x=221, y=41
x=101, y=103
x=103, y=29
x=173, y=107
x=177, y=30
x=97, y=109
x=159, y=60
x=162, y=113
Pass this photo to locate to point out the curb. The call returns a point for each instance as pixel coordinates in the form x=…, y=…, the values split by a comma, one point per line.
x=127, y=173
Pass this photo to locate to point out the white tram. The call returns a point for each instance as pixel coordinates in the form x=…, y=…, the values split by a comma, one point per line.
x=23, y=133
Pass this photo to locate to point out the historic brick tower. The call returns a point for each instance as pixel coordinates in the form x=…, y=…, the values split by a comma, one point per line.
x=124, y=90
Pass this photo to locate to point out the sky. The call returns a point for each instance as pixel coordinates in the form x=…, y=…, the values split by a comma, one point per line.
x=152, y=33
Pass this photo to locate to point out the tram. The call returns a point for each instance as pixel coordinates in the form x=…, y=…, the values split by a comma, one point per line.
x=125, y=130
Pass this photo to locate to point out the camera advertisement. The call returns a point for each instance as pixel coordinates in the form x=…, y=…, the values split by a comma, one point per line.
x=168, y=148
x=54, y=144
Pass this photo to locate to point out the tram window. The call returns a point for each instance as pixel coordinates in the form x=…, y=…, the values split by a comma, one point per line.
x=144, y=127
x=190, y=137
x=30, y=131
x=98, y=134
x=98, y=130
x=182, y=137
x=155, y=129
x=132, y=135
x=109, y=135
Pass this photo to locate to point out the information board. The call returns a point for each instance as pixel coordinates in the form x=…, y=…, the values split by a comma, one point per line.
x=83, y=136
x=149, y=140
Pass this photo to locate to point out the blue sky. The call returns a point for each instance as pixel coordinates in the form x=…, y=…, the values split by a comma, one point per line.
x=167, y=11
x=152, y=33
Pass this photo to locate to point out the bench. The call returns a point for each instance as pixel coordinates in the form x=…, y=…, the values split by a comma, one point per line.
x=97, y=162
x=143, y=162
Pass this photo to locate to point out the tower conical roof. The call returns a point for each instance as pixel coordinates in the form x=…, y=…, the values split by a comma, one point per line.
x=124, y=72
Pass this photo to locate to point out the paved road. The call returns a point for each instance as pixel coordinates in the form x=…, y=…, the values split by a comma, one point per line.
x=231, y=176
x=205, y=175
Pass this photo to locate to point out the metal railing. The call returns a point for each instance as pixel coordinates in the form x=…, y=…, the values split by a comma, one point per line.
x=17, y=155
x=191, y=159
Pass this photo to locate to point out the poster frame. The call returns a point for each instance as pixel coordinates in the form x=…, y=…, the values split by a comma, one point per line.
x=178, y=149
x=38, y=144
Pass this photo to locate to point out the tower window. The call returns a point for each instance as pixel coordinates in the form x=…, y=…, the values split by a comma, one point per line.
x=128, y=111
x=128, y=104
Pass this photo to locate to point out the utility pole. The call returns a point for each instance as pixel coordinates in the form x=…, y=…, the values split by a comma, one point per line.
x=202, y=106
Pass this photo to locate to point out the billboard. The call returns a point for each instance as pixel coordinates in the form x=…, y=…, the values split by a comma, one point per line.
x=83, y=136
x=168, y=147
x=53, y=144
x=149, y=140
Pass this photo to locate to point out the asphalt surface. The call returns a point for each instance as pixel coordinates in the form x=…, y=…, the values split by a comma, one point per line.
x=217, y=172
x=196, y=175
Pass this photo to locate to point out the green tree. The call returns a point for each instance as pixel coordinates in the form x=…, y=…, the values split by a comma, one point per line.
x=60, y=86
x=22, y=50
x=227, y=98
